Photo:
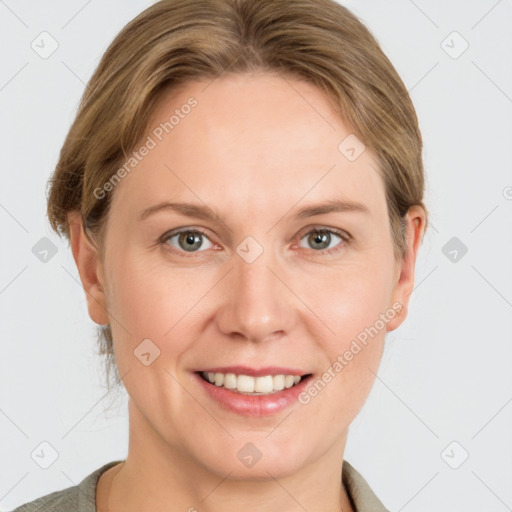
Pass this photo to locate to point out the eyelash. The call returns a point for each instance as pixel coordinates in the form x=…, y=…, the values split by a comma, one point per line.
x=328, y=252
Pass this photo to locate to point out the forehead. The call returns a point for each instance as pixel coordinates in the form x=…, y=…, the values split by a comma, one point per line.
x=249, y=140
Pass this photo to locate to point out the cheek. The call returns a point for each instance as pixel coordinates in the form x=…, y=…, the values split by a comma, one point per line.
x=152, y=327
x=351, y=299
x=140, y=306
x=152, y=301
x=353, y=303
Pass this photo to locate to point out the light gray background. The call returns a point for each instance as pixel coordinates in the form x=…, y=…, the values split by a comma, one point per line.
x=446, y=373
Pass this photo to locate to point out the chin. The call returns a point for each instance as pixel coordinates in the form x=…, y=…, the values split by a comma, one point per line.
x=258, y=461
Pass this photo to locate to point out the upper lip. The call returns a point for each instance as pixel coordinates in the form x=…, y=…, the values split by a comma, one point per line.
x=255, y=372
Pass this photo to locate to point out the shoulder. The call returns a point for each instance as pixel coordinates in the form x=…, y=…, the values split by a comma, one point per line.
x=64, y=500
x=79, y=498
x=361, y=494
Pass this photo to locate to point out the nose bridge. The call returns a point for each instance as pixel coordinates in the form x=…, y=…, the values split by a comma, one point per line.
x=257, y=305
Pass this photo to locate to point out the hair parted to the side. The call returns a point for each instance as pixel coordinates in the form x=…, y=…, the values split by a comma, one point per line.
x=176, y=41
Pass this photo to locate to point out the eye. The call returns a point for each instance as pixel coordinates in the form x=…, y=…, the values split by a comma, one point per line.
x=188, y=240
x=322, y=239
x=193, y=240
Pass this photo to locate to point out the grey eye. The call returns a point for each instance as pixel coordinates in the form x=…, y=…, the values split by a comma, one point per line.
x=321, y=239
x=189, y=241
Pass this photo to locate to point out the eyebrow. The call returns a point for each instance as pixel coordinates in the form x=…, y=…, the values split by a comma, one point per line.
x=206, y=213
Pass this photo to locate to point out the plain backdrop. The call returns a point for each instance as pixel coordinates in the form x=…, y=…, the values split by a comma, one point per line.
x=436, y=431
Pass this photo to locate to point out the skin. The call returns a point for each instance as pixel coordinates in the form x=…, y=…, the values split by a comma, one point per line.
x=255, y=151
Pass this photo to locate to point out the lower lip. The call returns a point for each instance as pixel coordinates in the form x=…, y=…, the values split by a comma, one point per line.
x=254, y=405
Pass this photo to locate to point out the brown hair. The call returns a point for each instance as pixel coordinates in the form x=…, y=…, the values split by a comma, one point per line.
x=175, y=41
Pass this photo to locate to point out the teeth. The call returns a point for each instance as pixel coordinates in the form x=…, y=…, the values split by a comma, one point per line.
x=264, y=384
x=252, y=385
x=245, y=384
x=278, y=382
x=230, y=381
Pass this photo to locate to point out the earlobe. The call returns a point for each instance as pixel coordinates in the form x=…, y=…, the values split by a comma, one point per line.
x=90, y=269
x=415, y=226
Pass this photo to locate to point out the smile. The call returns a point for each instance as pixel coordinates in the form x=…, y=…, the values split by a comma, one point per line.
x=253, y=392
x=248, y=385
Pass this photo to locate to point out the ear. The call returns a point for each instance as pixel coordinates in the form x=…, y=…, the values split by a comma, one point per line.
x=90, y=269
x=404, y=283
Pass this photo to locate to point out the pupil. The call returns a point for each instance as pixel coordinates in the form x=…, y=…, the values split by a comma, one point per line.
x=320, y=237
x=192, y=241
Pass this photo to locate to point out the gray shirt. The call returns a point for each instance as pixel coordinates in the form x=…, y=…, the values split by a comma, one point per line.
x=82, y=497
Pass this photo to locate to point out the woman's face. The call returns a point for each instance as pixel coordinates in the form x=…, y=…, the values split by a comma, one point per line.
x=257, y=288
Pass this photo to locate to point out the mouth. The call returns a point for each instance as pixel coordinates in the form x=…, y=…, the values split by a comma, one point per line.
x=251, y=392
x=260, y=385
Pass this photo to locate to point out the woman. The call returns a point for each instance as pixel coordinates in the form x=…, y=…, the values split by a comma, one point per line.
x=242, y=189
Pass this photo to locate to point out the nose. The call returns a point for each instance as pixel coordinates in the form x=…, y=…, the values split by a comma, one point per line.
x=256, y=304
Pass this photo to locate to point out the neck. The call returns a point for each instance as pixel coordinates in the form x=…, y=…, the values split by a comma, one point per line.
x=155, y=475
